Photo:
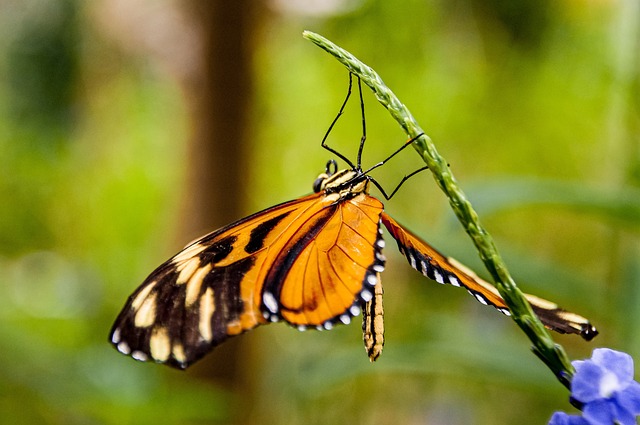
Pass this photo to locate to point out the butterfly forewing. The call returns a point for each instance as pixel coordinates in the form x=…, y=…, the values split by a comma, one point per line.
x=202, y=295
x=309, y=262
x=436, y=266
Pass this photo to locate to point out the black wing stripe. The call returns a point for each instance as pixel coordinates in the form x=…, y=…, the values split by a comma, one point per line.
x=280, y=268
x=182, y=324
x=260, y=232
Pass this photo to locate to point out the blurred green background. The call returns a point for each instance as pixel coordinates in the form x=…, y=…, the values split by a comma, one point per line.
x=128, y=129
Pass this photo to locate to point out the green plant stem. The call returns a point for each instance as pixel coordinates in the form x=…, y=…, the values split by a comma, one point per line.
x=552, y=354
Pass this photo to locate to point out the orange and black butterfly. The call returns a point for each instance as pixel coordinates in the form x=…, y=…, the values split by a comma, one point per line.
x=313, y=262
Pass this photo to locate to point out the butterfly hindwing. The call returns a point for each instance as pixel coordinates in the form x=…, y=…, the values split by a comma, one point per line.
x=334, y=254
x=436, y=266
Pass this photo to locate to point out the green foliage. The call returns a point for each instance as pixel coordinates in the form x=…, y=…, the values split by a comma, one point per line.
x=539, y=127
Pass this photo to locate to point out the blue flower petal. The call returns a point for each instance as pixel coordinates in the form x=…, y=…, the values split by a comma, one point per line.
x=585, y=384
x=561, y=418
x=629, y=399
x=604, y=385
x=615, y=361
x=624, y=417
x=600, y=412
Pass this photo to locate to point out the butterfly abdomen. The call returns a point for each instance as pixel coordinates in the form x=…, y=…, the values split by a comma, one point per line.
x=373, y=323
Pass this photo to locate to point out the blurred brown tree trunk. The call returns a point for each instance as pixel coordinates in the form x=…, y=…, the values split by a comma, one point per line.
x=220, y=102
x=220, y=97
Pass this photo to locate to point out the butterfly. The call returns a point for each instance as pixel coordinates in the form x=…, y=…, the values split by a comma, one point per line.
x=312, y=262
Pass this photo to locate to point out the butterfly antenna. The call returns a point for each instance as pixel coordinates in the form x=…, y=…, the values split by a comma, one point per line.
x=324, y=139
x=364, y=126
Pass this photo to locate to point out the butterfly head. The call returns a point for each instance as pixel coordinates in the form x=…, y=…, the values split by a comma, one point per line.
x=347, y=182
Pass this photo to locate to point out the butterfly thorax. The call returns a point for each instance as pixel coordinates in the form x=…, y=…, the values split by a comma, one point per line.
x=345, y=183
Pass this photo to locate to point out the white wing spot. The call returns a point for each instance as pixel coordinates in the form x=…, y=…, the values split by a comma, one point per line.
x=194, y=285
x=366, y=295
x=270, y=302
x=454, y=281
x=345, y=318
x=186, y=270
x=115, y=338
x=207, y=308
x=372, y=279
x=188, y=252
x=354, y=310
x=146, y=314
x=425, y=267
x=379, y=268
x=178, y=353
x=412, y=259
x=124, y=348
x=438, y=276
x=328, y=325
x=504, y=311
x=481, y=299
x=159, y=344
x=302, y=328
x=142, y=295
x=380, y=243
x=140, y=356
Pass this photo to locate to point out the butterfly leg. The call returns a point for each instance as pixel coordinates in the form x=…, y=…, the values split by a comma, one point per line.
x=404, y=179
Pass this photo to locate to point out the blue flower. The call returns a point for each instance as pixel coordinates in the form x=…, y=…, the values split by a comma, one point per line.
x=605, y=388
x=561, y=418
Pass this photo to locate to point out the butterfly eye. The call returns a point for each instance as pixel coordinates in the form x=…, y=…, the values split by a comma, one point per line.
x=330, y=169
x=318, y=183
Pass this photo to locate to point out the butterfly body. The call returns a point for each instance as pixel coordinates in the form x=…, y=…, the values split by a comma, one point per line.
x=312, y=262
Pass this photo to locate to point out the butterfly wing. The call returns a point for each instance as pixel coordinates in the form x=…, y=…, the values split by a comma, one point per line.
x=436, y=266
x=307, y=261
x=204, y=294
x=328, y=265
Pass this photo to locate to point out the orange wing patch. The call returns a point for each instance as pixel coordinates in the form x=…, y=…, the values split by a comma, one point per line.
x=436, y=266
x=324, y=263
